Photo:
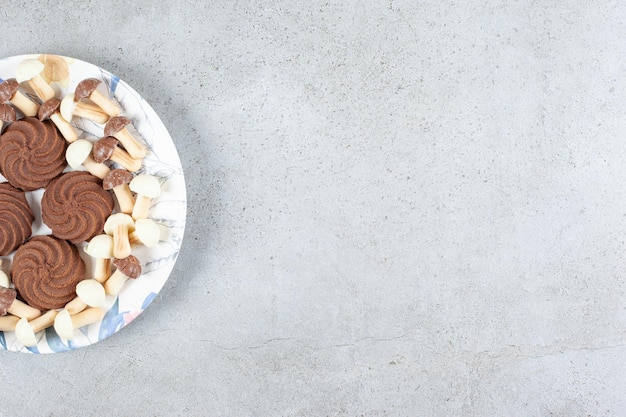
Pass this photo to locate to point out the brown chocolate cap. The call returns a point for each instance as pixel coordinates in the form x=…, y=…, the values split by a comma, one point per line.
x=116, y=177
x=7, y=113
x=115, y=124
x=85, y=88
x=7, y=296
x=48, y=107
x=103, y=148
x=7, y=89
x=129, y=266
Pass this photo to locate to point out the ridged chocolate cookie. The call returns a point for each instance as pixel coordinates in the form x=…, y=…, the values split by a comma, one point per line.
x=16, y=218
x=32, y=153
x=45, y=271
x=75, y=206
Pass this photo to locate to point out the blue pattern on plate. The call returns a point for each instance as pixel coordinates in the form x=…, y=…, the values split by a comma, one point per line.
x=148, y=300
x=111, y=322
x=54, y=341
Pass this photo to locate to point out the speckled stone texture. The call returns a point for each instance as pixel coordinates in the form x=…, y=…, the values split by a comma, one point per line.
x=396, y=208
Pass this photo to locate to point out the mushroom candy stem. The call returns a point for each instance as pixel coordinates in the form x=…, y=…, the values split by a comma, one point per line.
x=9, y=91
x=8, y=323
x=30, y=70
x=147, y=187
x=79, y=153
x=65, y=323
x=25, y=330
x=49, y=110
x=127, y=268
x=88, y=88
x=71, y=108
x=90, y=293
x=7, y=114
x=10, y=304
x=117, y=180
x=116, y=126
x=100, y=247
x=119, y=225
x=106, y=148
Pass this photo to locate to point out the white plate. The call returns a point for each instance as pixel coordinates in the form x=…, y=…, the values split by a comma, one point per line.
x=168, y=210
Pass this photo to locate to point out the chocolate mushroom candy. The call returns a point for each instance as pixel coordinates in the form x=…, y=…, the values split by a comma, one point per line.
x=70, y=108
x=100, y=247
x=146, y=232
x=79, y=153
x=90, y=293
x=117, y=180
x=65, y=323
x=10, y=304
x=30, y=70
x=25, y=330
x=147, y=187
x=116, y=126
x=119, y=226
x=106, y=148
x=7, y=114
x=50, y=110
x=127, y=268
x=88, y=88
x=9, y=91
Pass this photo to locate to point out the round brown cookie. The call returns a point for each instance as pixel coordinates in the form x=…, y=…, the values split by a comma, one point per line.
x=45, y=271
x=32, y=153
x=75, y=206
x=16, y=218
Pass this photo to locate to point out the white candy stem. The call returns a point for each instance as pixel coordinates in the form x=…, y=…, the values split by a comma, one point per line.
x=8, y=323
x=90, y=112
x=106, y=104
x=44, y=321
x=66, y=129
x=75, y=306
x=88, y=316
x=142, y=206
x=121, y=245
x=25, y=104
x=124, y=159
x=22, y=310
x=41, y=88
x=102, y=270
x=132, y=145
x=125, y=198
x=97, y=169
x=115, y=283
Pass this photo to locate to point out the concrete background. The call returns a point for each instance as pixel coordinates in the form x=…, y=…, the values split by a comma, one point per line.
x=396, y=208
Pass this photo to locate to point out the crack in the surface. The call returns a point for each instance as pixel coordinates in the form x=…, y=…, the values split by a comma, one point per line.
x=373, y=339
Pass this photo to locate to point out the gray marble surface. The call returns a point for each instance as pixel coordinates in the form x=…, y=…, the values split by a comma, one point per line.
x=396, y=208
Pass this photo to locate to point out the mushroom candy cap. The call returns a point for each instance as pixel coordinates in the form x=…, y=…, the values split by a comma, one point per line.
x=129, y=266
x=103, y=148
x=48, y=108
x=7, y=89
x=7, y=297
x=115, y=124
x=116, y=177
x=85, y=88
